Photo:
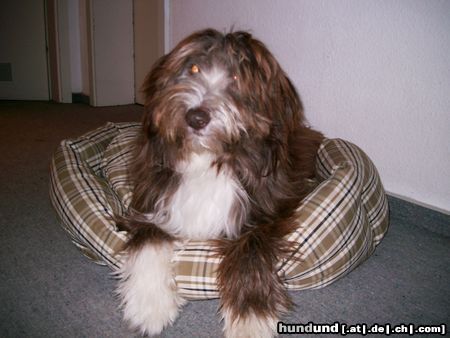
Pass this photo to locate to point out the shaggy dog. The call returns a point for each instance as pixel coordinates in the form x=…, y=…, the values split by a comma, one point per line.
x=225, y=155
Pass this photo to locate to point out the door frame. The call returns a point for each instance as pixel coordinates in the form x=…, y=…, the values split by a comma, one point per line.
x=58, y=50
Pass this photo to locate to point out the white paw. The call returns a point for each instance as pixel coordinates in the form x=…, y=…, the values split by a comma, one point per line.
x=147, y=289
x=250, y=326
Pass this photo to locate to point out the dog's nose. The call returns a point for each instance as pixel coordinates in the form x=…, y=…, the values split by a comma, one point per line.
x=197, y=118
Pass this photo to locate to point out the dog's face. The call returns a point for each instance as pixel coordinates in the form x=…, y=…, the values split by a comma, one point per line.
x=213, y=91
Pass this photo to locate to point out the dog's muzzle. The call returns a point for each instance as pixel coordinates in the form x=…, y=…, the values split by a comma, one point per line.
x=197, y=118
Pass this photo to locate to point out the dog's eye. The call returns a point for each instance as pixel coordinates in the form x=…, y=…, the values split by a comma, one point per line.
x=235, y=80
x=194, y=69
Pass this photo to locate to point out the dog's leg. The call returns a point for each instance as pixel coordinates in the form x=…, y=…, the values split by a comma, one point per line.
x=147, y=288
x=252, y=295
x=251, y=325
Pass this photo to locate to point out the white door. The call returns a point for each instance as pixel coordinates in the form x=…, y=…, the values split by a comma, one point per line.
x=148, y=40
x=23, y=58
x=111, y=52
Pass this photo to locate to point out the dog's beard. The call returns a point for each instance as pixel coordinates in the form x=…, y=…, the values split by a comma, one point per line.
x=209, y=201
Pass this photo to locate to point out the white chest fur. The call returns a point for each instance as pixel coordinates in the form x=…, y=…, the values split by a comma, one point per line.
x=207, y=203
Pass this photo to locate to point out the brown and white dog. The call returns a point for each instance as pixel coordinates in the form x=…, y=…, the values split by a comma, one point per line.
x=225, y=155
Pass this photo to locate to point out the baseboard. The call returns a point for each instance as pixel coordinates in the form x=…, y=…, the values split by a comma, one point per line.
x=80, y=98
x=413, y=201
x=433, y=220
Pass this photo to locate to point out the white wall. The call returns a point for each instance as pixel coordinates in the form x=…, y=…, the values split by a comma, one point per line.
x=373, y=72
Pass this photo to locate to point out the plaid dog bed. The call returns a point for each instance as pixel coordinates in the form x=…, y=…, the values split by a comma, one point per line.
x=340, y=223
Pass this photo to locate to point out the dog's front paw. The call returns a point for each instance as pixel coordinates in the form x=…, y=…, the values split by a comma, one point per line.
x=148, y=292
x=250, y=326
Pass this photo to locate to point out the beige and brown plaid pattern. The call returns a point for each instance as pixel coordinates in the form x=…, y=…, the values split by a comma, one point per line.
x=339, y=223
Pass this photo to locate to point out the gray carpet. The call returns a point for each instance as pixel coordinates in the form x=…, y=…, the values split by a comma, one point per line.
x=48, y=289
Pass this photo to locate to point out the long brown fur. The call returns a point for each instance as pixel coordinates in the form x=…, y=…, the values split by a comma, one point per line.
x=272, y=161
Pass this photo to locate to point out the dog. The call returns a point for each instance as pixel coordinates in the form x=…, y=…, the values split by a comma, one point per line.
x=224, y=154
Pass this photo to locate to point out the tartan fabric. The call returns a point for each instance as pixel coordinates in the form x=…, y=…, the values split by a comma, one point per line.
x=339, y=224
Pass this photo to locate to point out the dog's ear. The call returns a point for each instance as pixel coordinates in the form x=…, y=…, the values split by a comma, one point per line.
x=277, y=90
x=272, y=92
x=163, y=74
x=154, y=80
x=279, y=102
